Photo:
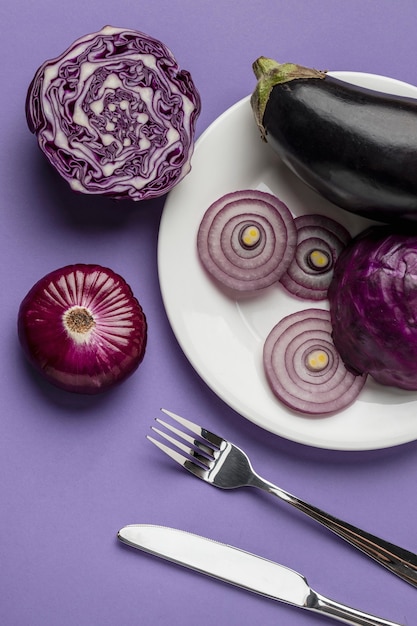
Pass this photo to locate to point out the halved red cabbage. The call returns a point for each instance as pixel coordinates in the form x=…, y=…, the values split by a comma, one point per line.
x=115, y=115
x=303, y=367
x=247, y=239
x=373, y=305
x=320, y=241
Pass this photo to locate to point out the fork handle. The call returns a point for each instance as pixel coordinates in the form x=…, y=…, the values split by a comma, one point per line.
x=398, y=560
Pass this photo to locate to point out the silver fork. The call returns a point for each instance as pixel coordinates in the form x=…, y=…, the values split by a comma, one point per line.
x=222, y=464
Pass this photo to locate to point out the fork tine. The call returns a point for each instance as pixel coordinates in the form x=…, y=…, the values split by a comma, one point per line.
x=187, y=449
x=201, y=432
x=195, y=469
x=176, y=456
x=208, y=450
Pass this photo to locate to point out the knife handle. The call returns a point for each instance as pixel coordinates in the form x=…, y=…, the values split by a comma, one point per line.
x=398, y=560
x=343, y=613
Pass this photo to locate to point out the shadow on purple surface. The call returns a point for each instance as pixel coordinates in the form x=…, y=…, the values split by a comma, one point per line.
x=75, y=405
x=82, y=211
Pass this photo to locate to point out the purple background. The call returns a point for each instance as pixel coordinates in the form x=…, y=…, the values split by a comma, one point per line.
x=73, y=470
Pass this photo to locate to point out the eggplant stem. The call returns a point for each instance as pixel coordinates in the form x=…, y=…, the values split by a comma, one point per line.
x=270, y=73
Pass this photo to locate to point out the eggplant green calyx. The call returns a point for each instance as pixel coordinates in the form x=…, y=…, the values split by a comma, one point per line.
x=270, y=73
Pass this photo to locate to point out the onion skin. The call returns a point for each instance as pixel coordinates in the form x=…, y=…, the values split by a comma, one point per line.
x=114, y=115
x=106, y=339
x=356, y=147
x=373, y=306
x=291, y=348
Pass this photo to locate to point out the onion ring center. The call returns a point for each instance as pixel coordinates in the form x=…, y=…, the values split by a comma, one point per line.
x=318, y=259
x=316, y=360
x=250, y=236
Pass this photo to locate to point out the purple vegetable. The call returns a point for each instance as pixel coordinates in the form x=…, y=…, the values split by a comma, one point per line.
x=247, y=239
x=304, y=369
x=320, y=241
x=82, y=328
x=373, y=304
x=114, y=115
x=355, y=146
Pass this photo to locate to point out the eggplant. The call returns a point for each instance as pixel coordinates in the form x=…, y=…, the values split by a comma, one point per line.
x=356, y=147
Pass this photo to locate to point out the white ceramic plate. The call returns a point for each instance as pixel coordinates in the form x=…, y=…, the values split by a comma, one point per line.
x=222, y=336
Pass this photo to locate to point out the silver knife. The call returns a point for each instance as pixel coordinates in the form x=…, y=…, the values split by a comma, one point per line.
x=240, y=568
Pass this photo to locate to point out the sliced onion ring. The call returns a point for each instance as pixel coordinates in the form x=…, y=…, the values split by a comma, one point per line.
x=321, y=236
x=247, y=239
x=303, y=367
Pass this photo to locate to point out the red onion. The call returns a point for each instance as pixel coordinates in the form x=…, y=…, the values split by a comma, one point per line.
x=115, y=115
x=320, y=242
x=82, y=328
x=247, y=239
x=304, y=369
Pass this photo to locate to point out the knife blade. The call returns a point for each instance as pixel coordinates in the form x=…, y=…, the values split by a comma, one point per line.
x=240, y=568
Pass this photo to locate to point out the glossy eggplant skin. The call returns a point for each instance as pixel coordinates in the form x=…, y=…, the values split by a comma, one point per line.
x=354, y=146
